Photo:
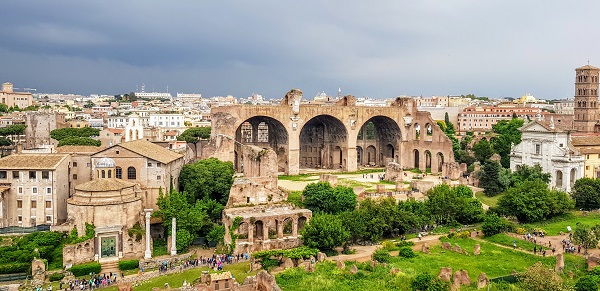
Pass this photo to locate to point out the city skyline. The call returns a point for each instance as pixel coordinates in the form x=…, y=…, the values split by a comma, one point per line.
x=494, y=49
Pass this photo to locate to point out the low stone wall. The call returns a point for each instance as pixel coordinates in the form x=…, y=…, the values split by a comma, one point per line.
x=283, y=243
x=155, y=263
x=80, y=253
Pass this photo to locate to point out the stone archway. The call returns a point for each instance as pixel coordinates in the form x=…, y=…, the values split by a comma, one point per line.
x=371, y=152
x=264, y=132
x=427, y=161
x=288, y=226
x=559, y=179
x=440, y=164
x=359, y=155
x=258, y=230
x=383, y=135
x=322, y=138
x=416, y=158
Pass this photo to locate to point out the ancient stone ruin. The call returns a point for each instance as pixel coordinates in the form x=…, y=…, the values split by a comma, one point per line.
x=445, y=274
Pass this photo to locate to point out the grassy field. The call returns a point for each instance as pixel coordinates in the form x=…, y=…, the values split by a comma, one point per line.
x=489, y=201
x=295, y=197
x=506, y=240
x=495, y=261
x=557, y=224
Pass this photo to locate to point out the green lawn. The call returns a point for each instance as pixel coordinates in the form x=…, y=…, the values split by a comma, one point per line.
x=295, y=197
x=557, y=224
x=495, y=261
x=299, y=177
x=489, y=201
x=506, y=240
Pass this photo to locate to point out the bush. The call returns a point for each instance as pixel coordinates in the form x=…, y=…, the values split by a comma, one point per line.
x=462, y=234
x=406, y=252
x=15, y=268
x=56, y=277
x=428, y=282
x=382, y=256
x=520, y=230
x=128, y=265
x=405, y=243
x=269, y=263
x=388, y=245
x=587, y=283
x=86, y=269
x=493, y=224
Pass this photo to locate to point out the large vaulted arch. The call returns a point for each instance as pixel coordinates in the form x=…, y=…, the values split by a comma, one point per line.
x=323, y=143
x=382, y=135
x=264, y=132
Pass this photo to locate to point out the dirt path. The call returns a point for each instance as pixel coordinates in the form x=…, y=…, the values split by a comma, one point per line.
x=363, y=253
x=556, y=241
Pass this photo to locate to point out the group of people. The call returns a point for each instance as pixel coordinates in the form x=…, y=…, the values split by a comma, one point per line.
x=95, y=281
x=215, y=261
x=381, y=177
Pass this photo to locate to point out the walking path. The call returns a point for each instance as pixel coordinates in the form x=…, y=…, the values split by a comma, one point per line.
x=364, y=253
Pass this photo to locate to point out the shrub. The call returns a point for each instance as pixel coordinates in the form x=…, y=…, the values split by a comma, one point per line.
x=493, y=224
x=587, y=283
x=128, y=265
x=382, y=256
x=405, y=243
x=463, y=234
x=406, y=252
x=428, y=282
x=595, y=271
x=388, y=245
x=269, y=263
x=15, y=268
x=520, y=230
x=56, y=277
x=86, y=269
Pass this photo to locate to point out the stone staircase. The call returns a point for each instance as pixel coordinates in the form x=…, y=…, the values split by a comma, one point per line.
x=109, y=266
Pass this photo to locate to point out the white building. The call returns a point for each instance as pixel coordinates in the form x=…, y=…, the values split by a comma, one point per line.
x=164, y=120
x=551, y=148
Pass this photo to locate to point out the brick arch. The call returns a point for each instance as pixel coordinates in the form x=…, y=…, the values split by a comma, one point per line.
x=323, y=143
x=265, y=132
x=386, y=142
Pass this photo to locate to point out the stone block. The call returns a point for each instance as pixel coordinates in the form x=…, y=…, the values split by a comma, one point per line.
x=482, y=281
x=341, y=265
x=380, y=188
x=287, y=263
x=477, y=249
x=425, y=248
x=445, y=274
x=461, y=278
x=353, y=269
x=560, y=263
x=446, y=246
x=321, y=257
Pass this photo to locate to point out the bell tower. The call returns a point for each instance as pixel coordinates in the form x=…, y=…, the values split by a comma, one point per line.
x=586, y=98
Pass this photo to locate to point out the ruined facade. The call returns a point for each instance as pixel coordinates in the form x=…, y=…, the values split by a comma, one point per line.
x=266, y=221
x=340, y=135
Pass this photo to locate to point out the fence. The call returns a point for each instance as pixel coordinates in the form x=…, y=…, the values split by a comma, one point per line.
x=18, y=229
x=13, y=277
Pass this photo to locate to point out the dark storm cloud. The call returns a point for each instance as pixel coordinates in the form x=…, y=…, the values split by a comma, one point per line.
x=379, y=49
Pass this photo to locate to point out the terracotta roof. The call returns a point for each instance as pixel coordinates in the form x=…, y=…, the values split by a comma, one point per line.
x=32, y=161
x=150, y=150
x=590, y=150
x=110, y=184
x=585, y=140
x=115, y=130
x=220, y=276
x=73, y=149
x=172, y=133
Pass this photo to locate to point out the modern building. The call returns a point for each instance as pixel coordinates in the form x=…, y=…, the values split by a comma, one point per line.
x=481, y=119
x=545, y=145
x=34, y=189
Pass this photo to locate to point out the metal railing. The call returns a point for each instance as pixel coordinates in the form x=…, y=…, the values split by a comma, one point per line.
x=21, y=230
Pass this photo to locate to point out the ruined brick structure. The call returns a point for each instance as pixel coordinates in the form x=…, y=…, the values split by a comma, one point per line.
x=339, y=135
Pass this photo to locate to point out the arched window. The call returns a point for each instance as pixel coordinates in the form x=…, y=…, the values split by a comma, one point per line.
x=246, y=132
x=263, y=132
x=110, y=173
x=131, y=173
x=103, y=174
x=119, y=173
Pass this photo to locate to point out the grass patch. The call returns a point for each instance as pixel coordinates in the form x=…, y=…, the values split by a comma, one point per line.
x=299, y=177
x=489, y=201
x=557, y=224
x=353, y=183
x=159, y=247
x=295, y=197
x=506, y=240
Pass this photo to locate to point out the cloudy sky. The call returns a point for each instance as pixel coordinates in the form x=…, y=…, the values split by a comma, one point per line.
x=379, y=49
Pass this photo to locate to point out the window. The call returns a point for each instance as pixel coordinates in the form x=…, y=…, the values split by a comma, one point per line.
x=119, y=173
x=32, y=174
x=34, y=190
x=216, y=285
x=538, y=149
x=20, y=218
x=158, y=177
x=74, y=164
x=20, y=190
x=103, y=174
x=560, y=145
x=48, y=204
x=74, y=176
x=158, y=164
x=48, y=218
x=226, y=284
x=15, y=174
x=587, y=167
x=110, y=173
x=19, y=203
x=131, y=173
x=48, y=190
x=149, y=165
x=33, y=204
x=117, y=152
x=45, y=175
x=2, y=174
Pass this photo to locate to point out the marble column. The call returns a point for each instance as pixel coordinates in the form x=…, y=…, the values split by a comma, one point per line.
x=148, y=253
x=173, y=237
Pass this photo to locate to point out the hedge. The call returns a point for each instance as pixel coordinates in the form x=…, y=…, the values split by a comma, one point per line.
x=86, y=269
x=56, y=277
x=128, y=265
x=13, y=268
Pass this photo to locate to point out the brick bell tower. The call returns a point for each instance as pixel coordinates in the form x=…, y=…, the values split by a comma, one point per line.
x=587, y=112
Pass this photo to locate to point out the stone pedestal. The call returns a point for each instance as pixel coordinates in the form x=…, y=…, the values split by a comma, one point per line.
x=148, y=252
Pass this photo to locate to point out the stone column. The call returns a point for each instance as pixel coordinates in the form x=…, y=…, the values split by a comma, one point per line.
x=250, y=232
x=148, y=253
x=173, y=237
x=295, y=227
x=265, y=231
x=294, y=147
x=279, y=229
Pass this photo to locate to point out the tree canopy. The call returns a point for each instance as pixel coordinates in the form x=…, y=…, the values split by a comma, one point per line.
x=489, y=178
x=193, y=134
x=508, y=134
x=62, y=133
x=324, y=232
x=321, y=197
x=586, y=193
x=453, y=205
x=15, y=129
x=84, y=141
x=209, y=178
x=532, y=201
x=482, y=150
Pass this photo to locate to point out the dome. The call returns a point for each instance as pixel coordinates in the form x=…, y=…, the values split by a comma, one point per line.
x=105, y=163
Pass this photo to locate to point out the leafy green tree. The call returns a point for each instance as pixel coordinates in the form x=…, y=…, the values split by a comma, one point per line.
x=209, y=178
x=587, y=283
x=449, y=125
x=183, y=239
x=448, y=205
x=482, y=150
x=3, y=108
x=489, y=178
x=321, y=197
x=526, y=172
x=193, y=134
x=494, y=224
x=5, y=141
x=324, y=232
x=539, y=277
x=532, y=201
x=586, y=193
x=83, y=141
x=11, y=130
x=586, y=236
x=508, y=134
x=62, y=133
